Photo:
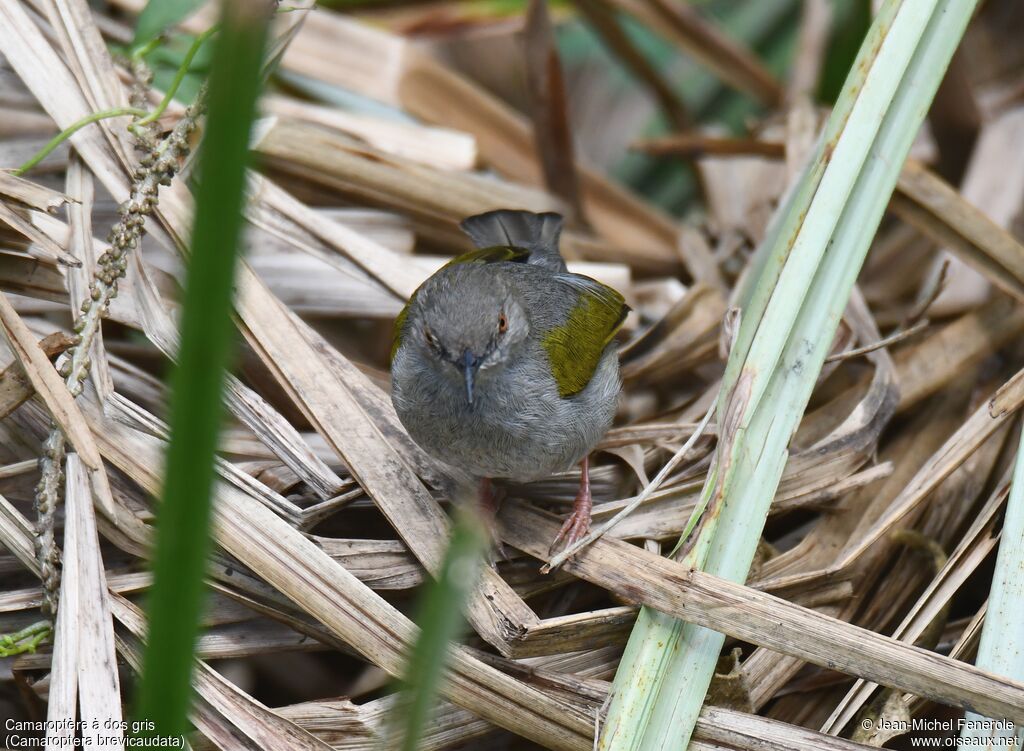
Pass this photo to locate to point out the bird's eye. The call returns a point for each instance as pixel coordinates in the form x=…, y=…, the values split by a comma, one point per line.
x=429, y=336
x=502, y=324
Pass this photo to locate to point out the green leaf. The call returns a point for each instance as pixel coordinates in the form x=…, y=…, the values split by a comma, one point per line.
x=1001, y=649
x=804, y=272
x=441, y=622
x=183, y=537
x=160, y=15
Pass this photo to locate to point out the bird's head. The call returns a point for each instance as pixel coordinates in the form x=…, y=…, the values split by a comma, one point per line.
x=468, y=322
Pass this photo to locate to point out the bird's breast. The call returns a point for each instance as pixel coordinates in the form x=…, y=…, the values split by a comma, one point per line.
x=517, y=427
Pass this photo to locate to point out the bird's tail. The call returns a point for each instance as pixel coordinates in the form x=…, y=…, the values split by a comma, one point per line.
x=537, y=233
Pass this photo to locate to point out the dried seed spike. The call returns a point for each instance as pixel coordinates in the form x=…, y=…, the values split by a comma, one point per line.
x=157, y=165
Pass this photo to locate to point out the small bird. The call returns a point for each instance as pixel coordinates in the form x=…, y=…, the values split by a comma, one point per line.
x=505, y=364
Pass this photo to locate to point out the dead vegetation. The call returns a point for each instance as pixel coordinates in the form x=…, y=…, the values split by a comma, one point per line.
x=868, y=594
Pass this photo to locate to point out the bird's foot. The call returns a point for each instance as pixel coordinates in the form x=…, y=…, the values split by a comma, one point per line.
x=578, y=524
x=573, y=529
x=498, y=553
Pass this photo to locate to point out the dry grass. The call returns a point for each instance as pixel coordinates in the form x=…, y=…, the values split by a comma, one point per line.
x=328, y=518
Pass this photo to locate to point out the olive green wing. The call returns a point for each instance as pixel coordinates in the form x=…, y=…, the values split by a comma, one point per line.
x=575, y=347
x=492, y=254
x=495, y=254
x=396, y=337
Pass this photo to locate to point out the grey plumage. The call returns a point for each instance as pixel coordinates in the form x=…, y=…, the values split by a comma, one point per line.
x=517, y=425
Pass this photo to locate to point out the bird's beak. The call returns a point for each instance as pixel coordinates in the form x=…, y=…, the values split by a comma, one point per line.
x=470, y=364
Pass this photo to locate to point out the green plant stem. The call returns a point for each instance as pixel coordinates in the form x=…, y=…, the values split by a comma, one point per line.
x=440, y=620
x=145, y=49
x=69, y=131
x=179, y=76
x=25, y=640
x=146, y=118
x=183, y=536
x=1001, y=649
x=804, y=272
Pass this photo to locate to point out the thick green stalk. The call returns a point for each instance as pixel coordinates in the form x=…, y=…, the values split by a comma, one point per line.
x=1001, y=649
x=804, y=274
x=183, y=537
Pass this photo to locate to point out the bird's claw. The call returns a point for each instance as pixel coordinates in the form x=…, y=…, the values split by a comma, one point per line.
x=498, y=553
x=573, y=529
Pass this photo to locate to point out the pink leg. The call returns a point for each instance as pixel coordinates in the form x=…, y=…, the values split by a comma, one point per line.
x=489, y=501
x=578, y=523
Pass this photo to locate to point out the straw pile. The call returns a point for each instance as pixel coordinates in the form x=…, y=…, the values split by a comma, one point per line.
x=868, y=593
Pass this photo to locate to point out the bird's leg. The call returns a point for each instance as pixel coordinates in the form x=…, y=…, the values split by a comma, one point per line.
x=490, y=500
x=578, y=523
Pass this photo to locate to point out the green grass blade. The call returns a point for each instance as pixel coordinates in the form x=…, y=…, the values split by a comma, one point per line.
x=183, y=538
x=1001, y=649
x=805, y=272
x=441, y=622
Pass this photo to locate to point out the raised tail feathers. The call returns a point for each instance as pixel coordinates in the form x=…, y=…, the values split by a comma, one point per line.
x=538, y=233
